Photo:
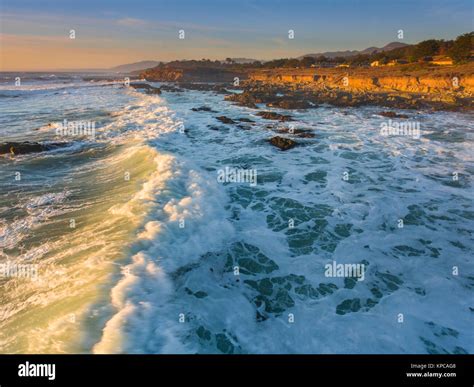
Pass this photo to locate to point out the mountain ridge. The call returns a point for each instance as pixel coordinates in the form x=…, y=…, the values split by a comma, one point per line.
x=135, y=66
x=347, y=53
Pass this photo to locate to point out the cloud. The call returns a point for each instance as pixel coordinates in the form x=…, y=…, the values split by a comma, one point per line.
x=131, y=22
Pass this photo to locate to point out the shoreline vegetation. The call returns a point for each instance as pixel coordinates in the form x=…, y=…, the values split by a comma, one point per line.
x=420, y=76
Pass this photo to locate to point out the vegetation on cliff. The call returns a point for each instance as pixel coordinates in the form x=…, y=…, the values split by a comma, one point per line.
x=459, y=50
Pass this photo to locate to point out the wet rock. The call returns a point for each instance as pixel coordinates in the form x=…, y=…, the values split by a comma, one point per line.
x=171, y=88
x=282, y=143
x=245, y=120
x=275, y=116
x=288, y=103
x=305, y=134
x=225, y=120
x=203, y=109
x=146, y=87
x=219, y=88
x=19, y=148
x=392, y=115
x=246, y=99
x=302, y=133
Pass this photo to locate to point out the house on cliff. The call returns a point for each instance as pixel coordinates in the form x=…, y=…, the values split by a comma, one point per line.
x=396, y=62
x=442, y=60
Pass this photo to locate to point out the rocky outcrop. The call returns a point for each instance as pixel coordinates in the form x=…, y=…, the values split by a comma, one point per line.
x=146, y=87
x=225, y=120
x=282, y=143
x=422, y=80
x=21, y=148
x=302, y=133
x=392, y=115
x=290, y=103
x=450, y=88
x=193, y=74
x=203, y=109
x=275, y=116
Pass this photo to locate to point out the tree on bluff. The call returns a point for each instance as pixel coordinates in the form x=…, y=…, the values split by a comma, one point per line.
x=462, y=47
x=307, y=61
x=426, y=48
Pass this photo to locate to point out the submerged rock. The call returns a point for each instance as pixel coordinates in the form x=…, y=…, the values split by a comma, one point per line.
x=18, y=148
x=171, y=88
x=225, y=120
x=282, y=143
x=145, y=86
x=275, y=116
x=246, y=99
x=203, y=109
x=287, y=103
x=392, y=115
x=245, y=120
x=303, y=133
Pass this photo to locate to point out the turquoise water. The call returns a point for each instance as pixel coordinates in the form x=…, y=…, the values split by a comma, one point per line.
x=132, y=243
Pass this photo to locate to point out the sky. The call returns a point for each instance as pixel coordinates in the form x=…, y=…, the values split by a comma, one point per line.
x=36, y=35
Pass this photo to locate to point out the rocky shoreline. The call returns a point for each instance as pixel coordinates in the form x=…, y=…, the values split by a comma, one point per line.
x=450, y=89
x=300, y=92
x=302, y=96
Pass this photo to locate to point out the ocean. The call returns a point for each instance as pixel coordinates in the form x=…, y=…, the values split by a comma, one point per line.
x=147, y=227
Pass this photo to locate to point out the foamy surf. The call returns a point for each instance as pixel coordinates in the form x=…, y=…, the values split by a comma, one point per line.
x=186, y=224
x=151, y=265
x=76, y=234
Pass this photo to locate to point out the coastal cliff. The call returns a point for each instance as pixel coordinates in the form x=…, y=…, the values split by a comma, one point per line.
x=406, y=86
x=458, y=79
x=194, y=74
x=447, y=88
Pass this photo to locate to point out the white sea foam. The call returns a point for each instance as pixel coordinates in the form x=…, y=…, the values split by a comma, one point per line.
x=317, y=328
x=143, y=295
x=186, y=224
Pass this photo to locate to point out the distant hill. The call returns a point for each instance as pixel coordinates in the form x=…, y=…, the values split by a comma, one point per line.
x=348, y=53
x=243, y=60
x=137, y=66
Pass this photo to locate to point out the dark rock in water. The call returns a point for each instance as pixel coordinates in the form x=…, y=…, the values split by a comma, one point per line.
x=298, y=132
x=171, y=88
x=392, y=115
x=275, y=116
x=219, y=88
x=247, y=99
x=225, y=120
x=21, y=148
x=203, y=109
x=305, y=134
x=245, y=120
x=290, y=104
x=282, y=143
x=145, y=86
